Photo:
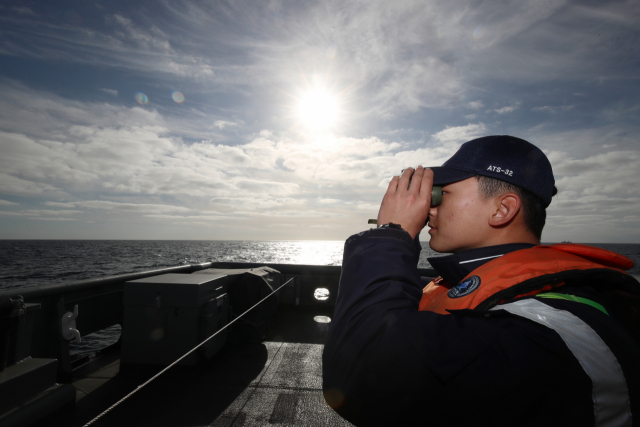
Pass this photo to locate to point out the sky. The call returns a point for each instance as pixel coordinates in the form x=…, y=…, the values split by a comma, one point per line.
x=285, y=120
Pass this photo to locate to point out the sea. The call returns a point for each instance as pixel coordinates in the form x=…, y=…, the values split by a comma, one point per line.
x=28, y=263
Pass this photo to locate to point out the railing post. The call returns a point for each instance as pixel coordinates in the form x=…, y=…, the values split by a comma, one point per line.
x=64, y=358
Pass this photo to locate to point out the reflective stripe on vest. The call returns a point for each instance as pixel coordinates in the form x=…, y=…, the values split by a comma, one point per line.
x=609, y=392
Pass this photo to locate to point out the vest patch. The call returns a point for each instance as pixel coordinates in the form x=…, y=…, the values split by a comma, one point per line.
x=464, y=288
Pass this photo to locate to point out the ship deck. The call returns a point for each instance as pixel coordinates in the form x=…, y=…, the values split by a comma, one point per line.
x=276, y=382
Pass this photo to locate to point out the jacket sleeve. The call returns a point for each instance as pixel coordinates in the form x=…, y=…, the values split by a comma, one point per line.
x=369, y=366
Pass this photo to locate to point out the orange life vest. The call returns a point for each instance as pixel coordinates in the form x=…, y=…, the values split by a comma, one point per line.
x=521, y=273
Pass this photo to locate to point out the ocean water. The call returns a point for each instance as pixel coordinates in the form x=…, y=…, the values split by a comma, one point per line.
x=26, y=263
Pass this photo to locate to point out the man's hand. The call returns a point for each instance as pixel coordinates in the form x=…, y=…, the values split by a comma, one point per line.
x=408, y=207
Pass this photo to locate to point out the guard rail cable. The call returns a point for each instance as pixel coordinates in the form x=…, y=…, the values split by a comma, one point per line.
x=183, y=356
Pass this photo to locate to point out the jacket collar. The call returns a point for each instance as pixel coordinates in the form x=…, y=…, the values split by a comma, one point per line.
x=455, y=267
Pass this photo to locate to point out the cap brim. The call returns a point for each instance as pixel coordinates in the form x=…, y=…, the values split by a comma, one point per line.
x=443, y=175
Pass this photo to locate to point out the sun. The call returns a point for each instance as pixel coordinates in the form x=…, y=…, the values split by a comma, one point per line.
x=318, y=109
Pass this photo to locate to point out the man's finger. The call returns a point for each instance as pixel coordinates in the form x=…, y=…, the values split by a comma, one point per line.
x=404, y=179
x=427, y=183
x=393, y=185
x=416, y=180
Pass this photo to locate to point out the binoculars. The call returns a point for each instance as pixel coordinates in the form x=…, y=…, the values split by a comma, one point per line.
x=436, y=192
x=436, y=198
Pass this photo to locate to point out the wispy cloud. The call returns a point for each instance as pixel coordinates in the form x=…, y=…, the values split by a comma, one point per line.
x=112, y=92
x=507, y=109
x=44, y=214
x=8, y=203
x=460, y=134
x=221, y=124
x=552, y=109
x=121, y=42
x=23, y=10
x=41, y=212
x=118, y=206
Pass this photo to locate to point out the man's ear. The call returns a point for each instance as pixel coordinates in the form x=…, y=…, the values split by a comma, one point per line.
x=506, y=208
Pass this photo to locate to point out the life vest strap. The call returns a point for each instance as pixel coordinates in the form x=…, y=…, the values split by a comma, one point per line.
x=567, y=297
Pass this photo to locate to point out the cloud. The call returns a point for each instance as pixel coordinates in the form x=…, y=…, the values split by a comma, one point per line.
x=614, y=172
x=256, y=203
x=239, y=215
x=120, y=207
x=507, y=109
x=43, y=115
x=110, y=91
x=460, y=134
x=329, y=201
x=312, y=213
x=23, y=10
x=264, y=186
x=44, y=214
x=7, y=203
x=386, y=58
x=221, y=124
x=553, y=110
x=36, y=217
x=368, y=207
x=13, y=185
x=514, y=47
x=210, y=217
x=153, y=39
x=126, y=159
x=596, y=191
x=356, y=47
x=59, y=149
x=40, y=212
x=121, y=151
x=121, y=42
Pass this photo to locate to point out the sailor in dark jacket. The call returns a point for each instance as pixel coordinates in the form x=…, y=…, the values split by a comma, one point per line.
x=512, y=333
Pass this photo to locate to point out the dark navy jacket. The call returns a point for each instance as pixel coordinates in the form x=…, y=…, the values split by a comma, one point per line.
x=386, y=363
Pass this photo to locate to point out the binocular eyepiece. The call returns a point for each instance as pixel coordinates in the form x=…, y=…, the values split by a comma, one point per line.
x=436, y=196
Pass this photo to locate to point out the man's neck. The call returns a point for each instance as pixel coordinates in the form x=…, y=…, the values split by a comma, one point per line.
x=453, y=268
x=506, y=238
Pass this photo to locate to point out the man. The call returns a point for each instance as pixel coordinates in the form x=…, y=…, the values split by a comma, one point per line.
x=512, y=332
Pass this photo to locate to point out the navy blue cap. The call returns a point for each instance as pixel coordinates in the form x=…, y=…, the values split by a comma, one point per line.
x=502, y=157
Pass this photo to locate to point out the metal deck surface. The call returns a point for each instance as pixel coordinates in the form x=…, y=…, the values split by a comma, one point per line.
x=278, y=382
